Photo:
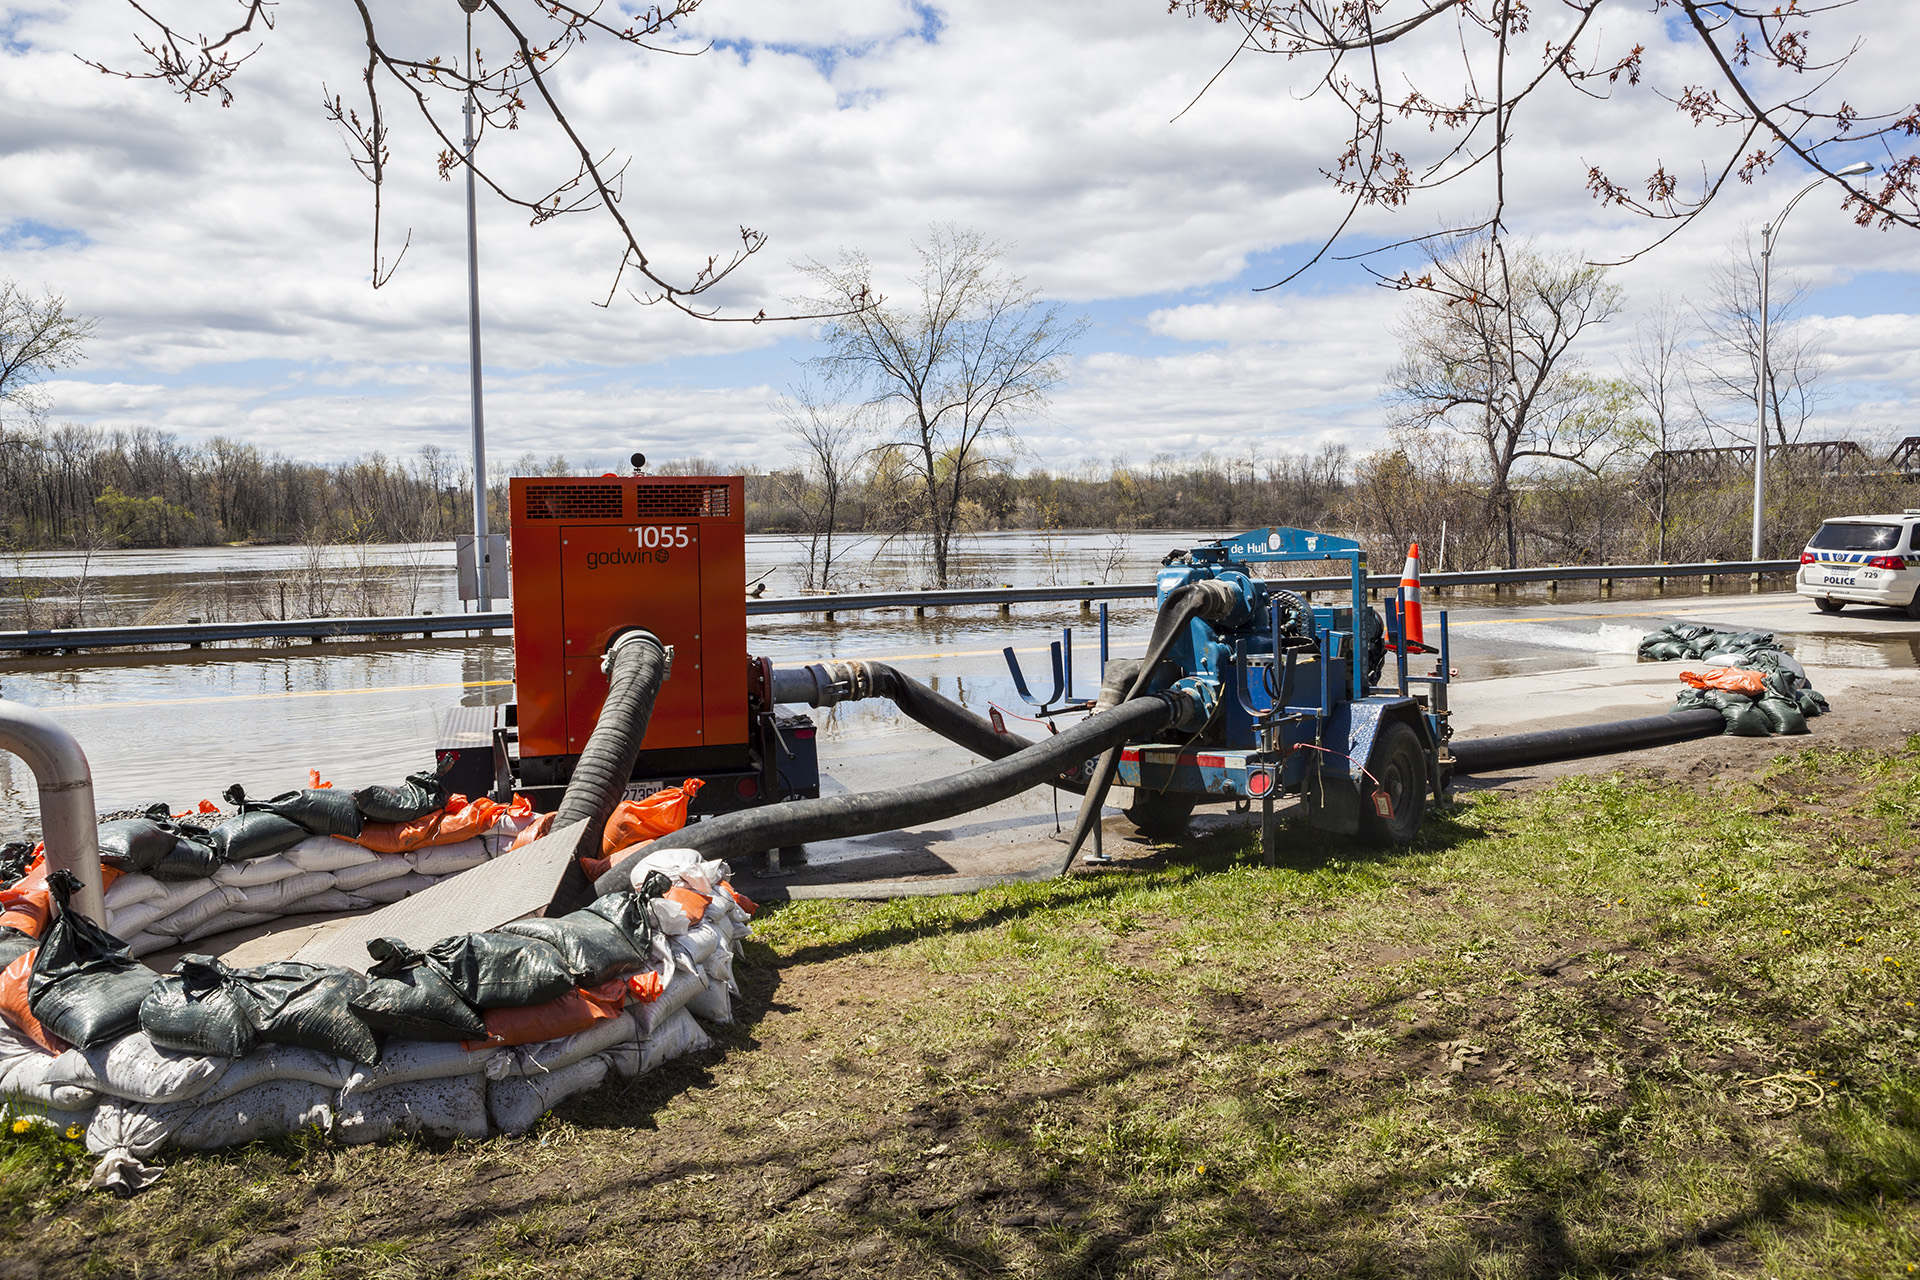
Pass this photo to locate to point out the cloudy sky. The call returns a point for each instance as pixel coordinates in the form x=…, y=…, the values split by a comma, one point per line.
x=226, y=251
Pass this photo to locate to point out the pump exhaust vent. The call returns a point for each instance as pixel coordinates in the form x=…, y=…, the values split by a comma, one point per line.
x=680, y=501
x=573, y=502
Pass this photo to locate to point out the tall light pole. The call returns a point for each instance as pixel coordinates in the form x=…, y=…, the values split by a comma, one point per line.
x=480, y=556
x=1767, y=234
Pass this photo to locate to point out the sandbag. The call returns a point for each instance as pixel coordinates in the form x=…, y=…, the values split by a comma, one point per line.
x=27, y=906
x=145, y=944
x=308, y=1006
x=175, y=894
x=132, y=890
x=411, y=1000
x=1811, y=703
x=535, y=830
x=421, y=794
x=26, y=1070
x=328, y=853
x=196, y=1010
x=135, y=1068
x=229, y=921
x=255, y=835
x=84, y=986
x=681, y=987
x=500, y=970
x=326, y=902
x=17, y=855
x=713, y=1005
x=13, y=945
x=269, y=1110
x=392, y=890
x=636, y=822
x=375, y=869
x=565, y=1016
x=259, y=871
x=192, y=858
x=1745, y=721
x=1729, y=679
x=408, y=1060
x=542, y=1056
x=136, y=843
x=272, y=898
x=446, y=1107
x=449, y=859
x=202, y=907
x=1783, y=716
x=271, y=1062
x=592, y=948
x=517, y=1101
x=320, y=811
x=677, y=1036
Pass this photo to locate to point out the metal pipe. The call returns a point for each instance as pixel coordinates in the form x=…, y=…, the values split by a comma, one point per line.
x=68, y=823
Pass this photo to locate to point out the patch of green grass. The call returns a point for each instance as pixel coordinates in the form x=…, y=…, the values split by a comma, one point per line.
x=40, y=1167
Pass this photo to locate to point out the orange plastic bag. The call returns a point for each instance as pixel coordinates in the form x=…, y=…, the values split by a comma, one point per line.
x=13, y=1004
x=1729, y=680
x=575, y=1011
x=638, y=821
x=28, y=905
x=471, y=819
x=541, y=825
x=645, y=987
x=747, y=904
x=397, y=837
x=694, y=904
x=314, y=783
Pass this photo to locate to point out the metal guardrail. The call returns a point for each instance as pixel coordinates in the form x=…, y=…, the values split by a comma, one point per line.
x=319, y=630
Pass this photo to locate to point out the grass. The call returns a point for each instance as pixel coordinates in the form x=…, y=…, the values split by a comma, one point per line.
x=1611, y=1028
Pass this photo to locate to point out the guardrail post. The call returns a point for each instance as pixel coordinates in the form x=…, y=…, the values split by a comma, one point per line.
x=1606, y=588
x=1706, y=584
x=1753, y=583
x=1006, y=609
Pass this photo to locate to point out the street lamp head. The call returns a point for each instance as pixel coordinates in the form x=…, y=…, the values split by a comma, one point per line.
x=472, y=6
x=1857, y=167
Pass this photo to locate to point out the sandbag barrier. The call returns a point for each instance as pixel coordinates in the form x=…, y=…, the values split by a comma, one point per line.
x=1755, y=684
x=473, y=1035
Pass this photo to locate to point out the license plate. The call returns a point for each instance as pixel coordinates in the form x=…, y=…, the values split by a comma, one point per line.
x=640, y=790
x=1838, y=579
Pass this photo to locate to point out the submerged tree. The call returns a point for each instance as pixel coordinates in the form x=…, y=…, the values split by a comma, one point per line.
x=949, y=372
x=38, y=336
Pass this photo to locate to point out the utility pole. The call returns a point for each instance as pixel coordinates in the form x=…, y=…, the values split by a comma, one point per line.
x=480, y=556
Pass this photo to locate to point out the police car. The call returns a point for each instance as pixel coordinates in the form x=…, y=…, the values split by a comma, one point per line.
x=1864, y=560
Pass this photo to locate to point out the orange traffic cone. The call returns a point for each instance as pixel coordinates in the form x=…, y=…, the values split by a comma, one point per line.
x=1412, y=637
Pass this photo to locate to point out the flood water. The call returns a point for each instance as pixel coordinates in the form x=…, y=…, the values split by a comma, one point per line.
x=179, y=726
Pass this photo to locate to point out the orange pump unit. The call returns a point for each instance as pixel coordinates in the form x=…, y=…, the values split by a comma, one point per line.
x=594, y=555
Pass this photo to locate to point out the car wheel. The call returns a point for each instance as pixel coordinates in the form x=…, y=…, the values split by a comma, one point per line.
x=1913, y=605
x=1828, y=606
x=1160, y=815
x=1399, y=768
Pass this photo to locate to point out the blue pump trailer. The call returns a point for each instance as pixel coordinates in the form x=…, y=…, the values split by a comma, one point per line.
x=1298, y=707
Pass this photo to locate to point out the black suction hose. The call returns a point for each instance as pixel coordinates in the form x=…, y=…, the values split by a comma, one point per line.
x=637, y=664
x=869, y=812
x=1545, y=746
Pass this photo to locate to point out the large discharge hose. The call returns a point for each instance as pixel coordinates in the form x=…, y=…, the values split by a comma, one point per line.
x=869, y=812
x=1545, y=746
x=637, y=664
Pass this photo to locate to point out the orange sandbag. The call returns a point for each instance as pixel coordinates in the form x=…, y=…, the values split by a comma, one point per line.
x=472, y=819
x=575, y=1011
x=747, y=904
x=397, y=837
x=28, y=904
x=645, y=987
x=694, y=904
x=638, y=821
x=1729, y=680
x=541, y=825
x=13, y=1004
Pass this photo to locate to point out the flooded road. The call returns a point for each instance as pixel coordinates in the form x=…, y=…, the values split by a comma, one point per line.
x=180, y=726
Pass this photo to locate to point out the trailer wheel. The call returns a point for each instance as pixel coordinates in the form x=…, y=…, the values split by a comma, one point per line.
x=1160, y=814
x=1399, y=768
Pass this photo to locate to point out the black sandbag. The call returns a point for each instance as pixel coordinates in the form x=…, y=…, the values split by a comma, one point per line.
x=593, y=949
x=247, y=836
x=190, y=858
x=1811, y=703
x=15, y=857
x=1746, y=721
x=501, y=970
x=84, y=987
x=421, y=794
x=195, y=1009
x=410, y=999
x=320, y=811
x=309, y=1006
x=135, y=844
x=1783, y=715
x=13, y=945
x=1691, y=700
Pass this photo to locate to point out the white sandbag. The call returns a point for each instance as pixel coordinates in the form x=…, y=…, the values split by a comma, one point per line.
x=408, y=1060
x=624, y=1059
x=269, y=1110
x=133, y=888
x=255, y=871
x=25, y=1075
x=326, y=902
x=229, y=920
x=180, y=893
x=328, y=853
x=382, y=866
x=124, y=922
x=397, y=888
x=145, y=944
x=509, y=825
x=713, y=1006
x=135, y=1128
x=136, y=1069
x=517, y=1101
x=669, y=917
x=683, y=867
x=271, y=1062
x=699, y=943
x=719, y=970
x=217, y=898
x=449, y=1107
x=552, y=1055
x=272, y=898
x=726, y=915
x=448, y=859
x=678, y=1035
x=681, y=987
